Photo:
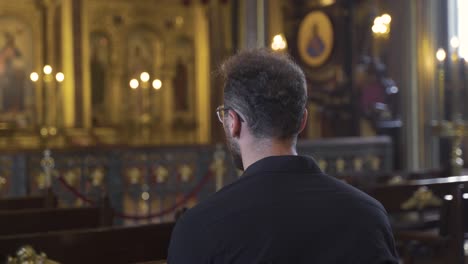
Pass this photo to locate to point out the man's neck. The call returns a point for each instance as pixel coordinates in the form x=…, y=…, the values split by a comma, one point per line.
x=266, y=148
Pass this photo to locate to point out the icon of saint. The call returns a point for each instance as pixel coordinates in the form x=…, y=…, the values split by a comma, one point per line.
x=315, y=45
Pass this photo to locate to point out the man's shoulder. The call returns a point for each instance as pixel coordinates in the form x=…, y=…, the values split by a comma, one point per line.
x=356, y=199
x=212, y=205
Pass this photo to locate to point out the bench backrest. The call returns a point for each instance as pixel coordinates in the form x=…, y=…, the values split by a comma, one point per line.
x=103, y=245
x=28, y=202
x=442, y=194
x=43, y=220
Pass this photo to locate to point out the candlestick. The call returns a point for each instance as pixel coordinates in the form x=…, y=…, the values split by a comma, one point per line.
x=143, y=104
x=465, y=84
x=462, y=89
x=50, y=93
x=440, y=55
x=456, y=129
x=59, y=77
x=455, y=79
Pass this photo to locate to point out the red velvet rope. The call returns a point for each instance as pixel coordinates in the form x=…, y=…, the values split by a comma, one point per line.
x=163, y=212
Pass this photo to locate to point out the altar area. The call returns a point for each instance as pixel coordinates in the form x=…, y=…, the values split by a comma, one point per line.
x=108, y=126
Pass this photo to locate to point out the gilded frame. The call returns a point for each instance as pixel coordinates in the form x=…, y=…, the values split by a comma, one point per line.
x=29, y=13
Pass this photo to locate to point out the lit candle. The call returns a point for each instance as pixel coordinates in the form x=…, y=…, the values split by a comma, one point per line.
x=440, y=55
x=59, y=77
x=464, y=88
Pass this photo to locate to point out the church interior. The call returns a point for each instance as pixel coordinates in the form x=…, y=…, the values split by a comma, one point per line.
x=108, y=129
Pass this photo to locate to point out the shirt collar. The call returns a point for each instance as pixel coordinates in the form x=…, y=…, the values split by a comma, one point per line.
x=284, y=164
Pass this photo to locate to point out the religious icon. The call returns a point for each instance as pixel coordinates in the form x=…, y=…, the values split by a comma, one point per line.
x=315, y=39
x=315, y=46
x=11, y=68
x=15, y=65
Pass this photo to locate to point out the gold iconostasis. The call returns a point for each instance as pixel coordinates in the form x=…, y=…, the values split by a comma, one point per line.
x=82, y=72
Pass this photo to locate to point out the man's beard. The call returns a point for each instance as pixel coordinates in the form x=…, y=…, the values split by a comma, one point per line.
x=234, y=149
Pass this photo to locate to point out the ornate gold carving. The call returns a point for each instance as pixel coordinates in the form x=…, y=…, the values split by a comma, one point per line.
x=161, y=174
x=323, y=164
x=3, y=182
x=79, y=203
x=71, y=177
x=217, y=166
x=97, y=177
x=395, y=180
x=27, y=255
x=340, y=165
x=134, y=175
x=358, y=163
x=422, y=198
x=186, y=173
x=143, y=206
x=122, y=21
x=375, y=162
x=41, y=181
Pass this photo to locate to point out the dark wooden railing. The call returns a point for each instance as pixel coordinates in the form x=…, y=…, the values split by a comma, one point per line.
x=159, y=181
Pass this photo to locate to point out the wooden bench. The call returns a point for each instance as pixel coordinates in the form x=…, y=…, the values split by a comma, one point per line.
x=28, y=202
x=102, y=245
x=43, y=220
x=436, y=205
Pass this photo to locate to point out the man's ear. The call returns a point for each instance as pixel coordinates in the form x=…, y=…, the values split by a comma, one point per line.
x=304, y=120
x=235, y=124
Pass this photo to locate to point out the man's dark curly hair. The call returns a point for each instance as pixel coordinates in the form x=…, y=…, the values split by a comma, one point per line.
x=268, y=89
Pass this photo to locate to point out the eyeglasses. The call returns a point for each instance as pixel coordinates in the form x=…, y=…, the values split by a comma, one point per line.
x=220, y=111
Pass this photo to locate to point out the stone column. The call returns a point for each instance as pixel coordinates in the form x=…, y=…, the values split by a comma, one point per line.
x=415, y=38
x=218, y=52
x=202, y=76
x=253, y=23
x=80, y=62
x=68, y=86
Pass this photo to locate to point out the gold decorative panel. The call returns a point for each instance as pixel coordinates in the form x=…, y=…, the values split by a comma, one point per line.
x=142, y=77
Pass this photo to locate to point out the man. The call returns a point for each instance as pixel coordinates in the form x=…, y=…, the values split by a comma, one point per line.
x=283, y=209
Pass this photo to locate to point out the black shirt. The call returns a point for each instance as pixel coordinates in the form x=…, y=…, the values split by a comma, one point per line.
x=283, y=209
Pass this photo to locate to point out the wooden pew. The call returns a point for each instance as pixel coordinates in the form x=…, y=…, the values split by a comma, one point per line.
x=43, y=220
x=422, y=198
x=29, y=202
x=103, y=245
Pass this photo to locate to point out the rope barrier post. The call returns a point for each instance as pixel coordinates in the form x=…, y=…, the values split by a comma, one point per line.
x=48, y=165
x=218, y=166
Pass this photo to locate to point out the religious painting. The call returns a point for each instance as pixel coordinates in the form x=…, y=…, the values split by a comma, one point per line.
x=16, y=90
x=100, y=62
x=320, y=37
x=182, y=88
x=315, y=38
